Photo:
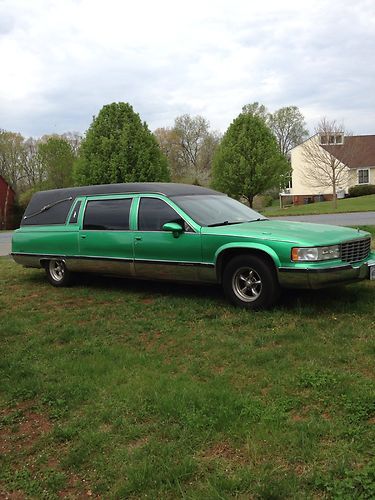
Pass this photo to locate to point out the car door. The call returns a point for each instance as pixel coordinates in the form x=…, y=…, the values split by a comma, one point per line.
x=161, y=254
x=105, y=239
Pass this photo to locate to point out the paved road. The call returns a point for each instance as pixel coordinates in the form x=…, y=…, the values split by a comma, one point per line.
x=5, y=240
x=348, y=219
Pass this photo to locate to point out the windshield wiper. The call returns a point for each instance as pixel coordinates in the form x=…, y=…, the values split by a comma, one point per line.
x=227, y=223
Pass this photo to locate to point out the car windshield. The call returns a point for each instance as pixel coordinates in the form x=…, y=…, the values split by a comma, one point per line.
x=216, y=210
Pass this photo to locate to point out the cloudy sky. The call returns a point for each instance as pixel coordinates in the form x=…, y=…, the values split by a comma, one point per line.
x=63, y=60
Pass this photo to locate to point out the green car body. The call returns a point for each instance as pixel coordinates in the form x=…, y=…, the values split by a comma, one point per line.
x=187, y=250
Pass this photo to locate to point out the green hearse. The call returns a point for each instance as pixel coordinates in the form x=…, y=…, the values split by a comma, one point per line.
x=185, y=233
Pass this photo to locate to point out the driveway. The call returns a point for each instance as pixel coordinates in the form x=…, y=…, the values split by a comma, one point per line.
x=348, y=219
x=5, y=242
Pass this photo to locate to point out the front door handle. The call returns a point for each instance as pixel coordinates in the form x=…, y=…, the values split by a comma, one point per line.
x=83, y=236
x=138, y=238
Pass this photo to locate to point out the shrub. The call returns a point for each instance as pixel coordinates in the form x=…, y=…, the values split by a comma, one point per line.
x=361, y=190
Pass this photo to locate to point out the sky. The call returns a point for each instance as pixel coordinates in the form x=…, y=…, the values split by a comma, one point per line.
x=63, y=60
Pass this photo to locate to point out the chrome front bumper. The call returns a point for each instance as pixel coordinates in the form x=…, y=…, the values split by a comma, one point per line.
x=291, y=277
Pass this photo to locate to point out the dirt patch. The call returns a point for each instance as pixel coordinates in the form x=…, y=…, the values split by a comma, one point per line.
x=147, y=300
x=301, y=469
x=224, y=450
x=298, y=418
x=77, y=489
x=150, y=339
x=15, y=495
x=22, y=428
x=137, y=443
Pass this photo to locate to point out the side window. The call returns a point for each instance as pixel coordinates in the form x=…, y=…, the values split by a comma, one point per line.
x=154, y=213
x=107, y=215
x=74, y=217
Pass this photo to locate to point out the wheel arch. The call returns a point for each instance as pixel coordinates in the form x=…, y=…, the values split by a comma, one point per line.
x=227, y=252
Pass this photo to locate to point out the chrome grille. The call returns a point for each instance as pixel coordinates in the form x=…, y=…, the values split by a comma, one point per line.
x=356, y=250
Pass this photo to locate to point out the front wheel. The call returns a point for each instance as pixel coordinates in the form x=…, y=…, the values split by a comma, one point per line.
x=250, y=282
x=57, y=273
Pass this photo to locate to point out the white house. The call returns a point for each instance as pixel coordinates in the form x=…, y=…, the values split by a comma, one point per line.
x=354, y=154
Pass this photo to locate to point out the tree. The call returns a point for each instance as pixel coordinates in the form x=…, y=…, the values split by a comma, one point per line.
x=189, y=147
x=118, y=147
x=248, y=161
x=288, y=126
x=256, y=109
x=169, y=144
x=57, y=158
x=196, y=145
x=11, y=157
x=327, y=164
x=74, y=139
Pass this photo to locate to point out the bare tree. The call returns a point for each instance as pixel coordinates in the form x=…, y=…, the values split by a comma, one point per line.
x=74, y=139
x=289, y=127
x=189, y=146
x=11, y=157
x=169, y=144
x=192, y=133
x=256, y=109
x=327, y=156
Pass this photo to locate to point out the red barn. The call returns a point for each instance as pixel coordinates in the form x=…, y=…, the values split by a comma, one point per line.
x=7, y=197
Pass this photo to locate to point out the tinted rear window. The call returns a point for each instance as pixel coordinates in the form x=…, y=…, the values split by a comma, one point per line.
x=107, y=215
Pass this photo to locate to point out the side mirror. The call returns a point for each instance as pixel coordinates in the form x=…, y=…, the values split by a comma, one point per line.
x=173, y=227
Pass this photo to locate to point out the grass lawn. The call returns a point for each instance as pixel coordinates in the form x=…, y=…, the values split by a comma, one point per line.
x=360, y=204
x=124, y=389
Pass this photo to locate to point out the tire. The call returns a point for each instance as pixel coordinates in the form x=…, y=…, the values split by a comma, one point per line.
x=250, y=282
x=57, y=273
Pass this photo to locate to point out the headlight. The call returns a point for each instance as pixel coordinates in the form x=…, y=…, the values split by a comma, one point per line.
x=315, y=253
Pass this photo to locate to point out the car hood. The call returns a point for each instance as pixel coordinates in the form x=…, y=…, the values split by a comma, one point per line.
x=294, y=232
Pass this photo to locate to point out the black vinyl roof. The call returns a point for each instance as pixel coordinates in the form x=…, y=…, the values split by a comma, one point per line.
x=61, y=200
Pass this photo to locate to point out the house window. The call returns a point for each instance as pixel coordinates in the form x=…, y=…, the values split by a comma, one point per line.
x=331, y=139
x=363, y=176
x=339, y=139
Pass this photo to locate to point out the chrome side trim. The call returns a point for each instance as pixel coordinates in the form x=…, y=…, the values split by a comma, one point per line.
x=120, y=267
x=149, y=269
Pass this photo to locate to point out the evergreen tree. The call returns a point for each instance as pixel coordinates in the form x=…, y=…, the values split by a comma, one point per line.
x=118, y=147
x=248, y=160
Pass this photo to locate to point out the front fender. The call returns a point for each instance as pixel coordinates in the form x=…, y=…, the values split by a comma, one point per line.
x=249, y=246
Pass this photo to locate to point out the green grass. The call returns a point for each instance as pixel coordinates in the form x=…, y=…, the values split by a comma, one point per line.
x=124, y=389
x=360, y=204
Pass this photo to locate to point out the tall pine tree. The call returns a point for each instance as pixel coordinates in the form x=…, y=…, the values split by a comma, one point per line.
x=118, y=147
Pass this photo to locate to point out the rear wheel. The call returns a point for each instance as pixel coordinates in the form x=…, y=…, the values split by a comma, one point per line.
x=57, y=273
x=250, y=282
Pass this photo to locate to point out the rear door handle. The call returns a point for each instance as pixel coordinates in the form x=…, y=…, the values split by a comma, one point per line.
x=83, y=236
x=138, y=238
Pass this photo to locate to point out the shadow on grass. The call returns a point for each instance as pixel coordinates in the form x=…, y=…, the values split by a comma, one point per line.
x=355, y=298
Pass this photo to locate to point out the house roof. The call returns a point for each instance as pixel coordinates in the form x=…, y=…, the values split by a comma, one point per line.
x=358, y=151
